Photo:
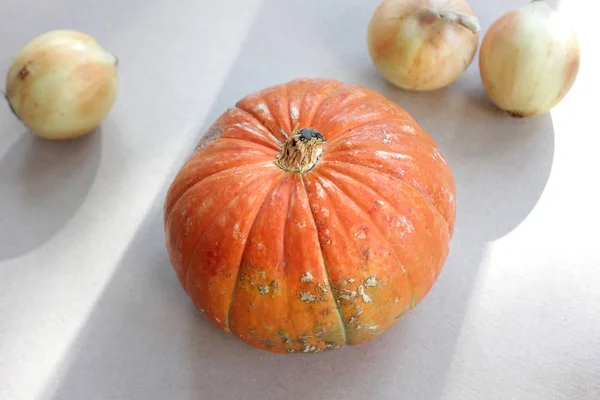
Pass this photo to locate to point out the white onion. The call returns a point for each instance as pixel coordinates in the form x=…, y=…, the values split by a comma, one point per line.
x=62, y=84
x=422, y=44
x=529, y=59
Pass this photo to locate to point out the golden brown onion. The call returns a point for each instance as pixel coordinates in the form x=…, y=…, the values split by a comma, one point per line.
x=529, y=59
x=62, y=84
x=422, y=44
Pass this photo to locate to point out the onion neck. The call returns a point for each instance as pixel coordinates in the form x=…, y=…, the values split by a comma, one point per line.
x=301, y=151
x=467, y=21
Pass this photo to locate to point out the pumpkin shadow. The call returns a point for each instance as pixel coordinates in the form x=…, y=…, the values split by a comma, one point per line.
x=43, y=184
x=144, y=339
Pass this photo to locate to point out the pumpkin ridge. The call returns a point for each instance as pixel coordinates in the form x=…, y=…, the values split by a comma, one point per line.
x=276, y=99
x=421, y=139
x=283, y=242
x=255, y=118
x=352, y=151
x=274, y=148
x=173, y=197
x=320, y=106
x=289, y=101
x=217, y=214
x=337, y=107
x=343, y=325
x=306, y=93
x=262, y=146
x=347, y=108
x=250, y=126
x=169, y=212
x=341, y=135
x=433, y=206
x=269, y=193
x=365, y=213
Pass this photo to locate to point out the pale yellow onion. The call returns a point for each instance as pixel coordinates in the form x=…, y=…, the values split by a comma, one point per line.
x=422, y=44
x=529, y=59
x=62, y=84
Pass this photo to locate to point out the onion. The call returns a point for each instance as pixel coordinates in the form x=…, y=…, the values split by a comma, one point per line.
x=422, y=44
x=529, y=59
x=62, y=84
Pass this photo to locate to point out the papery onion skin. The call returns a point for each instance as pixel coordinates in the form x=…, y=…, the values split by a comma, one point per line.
x=62, y=84
x=529, y=60
x=422, y=45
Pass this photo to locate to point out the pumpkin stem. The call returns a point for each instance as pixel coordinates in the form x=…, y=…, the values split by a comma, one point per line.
x=301, y=151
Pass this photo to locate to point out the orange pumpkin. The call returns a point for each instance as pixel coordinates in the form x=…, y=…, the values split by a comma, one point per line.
x=313, y=214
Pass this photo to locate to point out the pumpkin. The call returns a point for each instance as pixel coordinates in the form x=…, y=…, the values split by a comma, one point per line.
x=312, y=215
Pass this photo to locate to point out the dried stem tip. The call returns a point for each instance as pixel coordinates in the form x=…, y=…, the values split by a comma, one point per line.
x=468, y=21
x=301, y=151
